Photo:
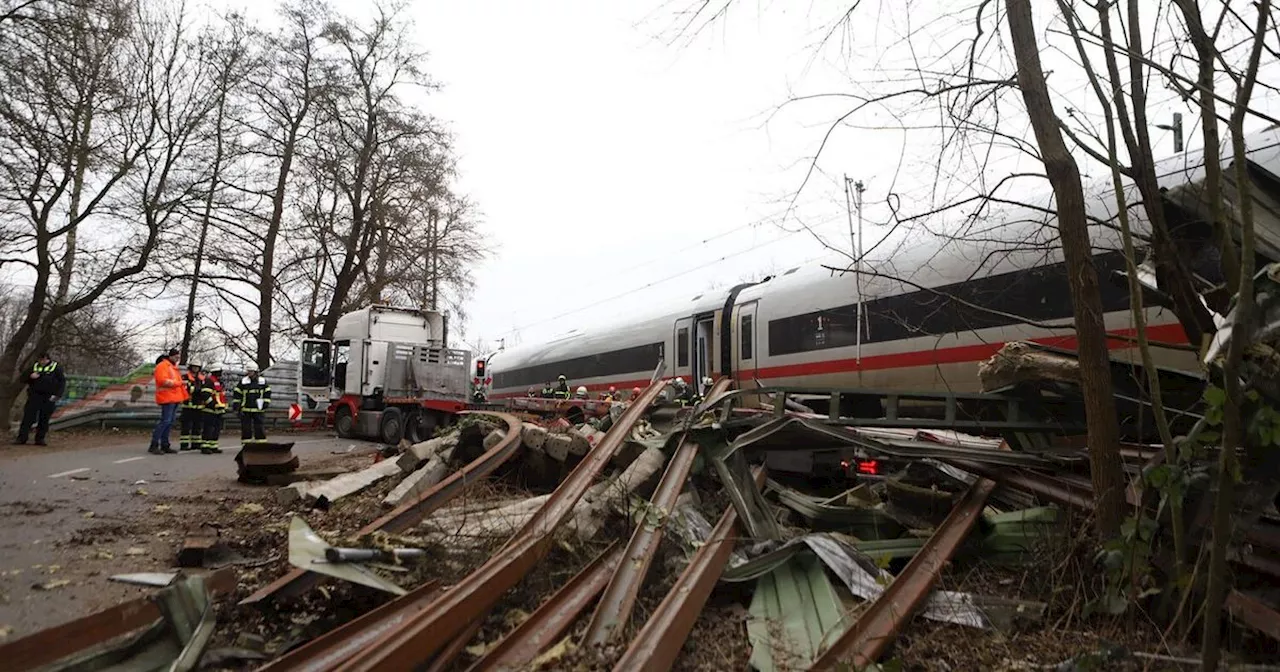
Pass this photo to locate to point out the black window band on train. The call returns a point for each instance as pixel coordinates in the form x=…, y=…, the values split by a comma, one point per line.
x=615, y=362
x=1040, y=294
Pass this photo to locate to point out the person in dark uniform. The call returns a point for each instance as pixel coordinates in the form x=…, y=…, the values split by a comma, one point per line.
x=213, y=405
x=46, y=384
x=561, y=390
x=191, y=418
x=252, y=397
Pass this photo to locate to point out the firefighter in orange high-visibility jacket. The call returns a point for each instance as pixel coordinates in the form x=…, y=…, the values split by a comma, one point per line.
x=213, y=405
x=251, y=399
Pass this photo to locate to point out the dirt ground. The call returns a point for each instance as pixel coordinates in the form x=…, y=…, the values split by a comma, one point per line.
x=254, y=525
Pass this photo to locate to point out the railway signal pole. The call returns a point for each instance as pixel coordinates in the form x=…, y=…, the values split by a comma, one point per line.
x=853, y=201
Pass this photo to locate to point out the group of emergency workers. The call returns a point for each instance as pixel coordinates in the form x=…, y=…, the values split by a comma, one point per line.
x=684, y=393
x=202, y=398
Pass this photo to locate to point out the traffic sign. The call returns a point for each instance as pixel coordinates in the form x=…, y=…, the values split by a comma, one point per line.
x=295, y=412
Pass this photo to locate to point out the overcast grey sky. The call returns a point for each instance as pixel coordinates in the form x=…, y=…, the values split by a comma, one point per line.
x=609, y=162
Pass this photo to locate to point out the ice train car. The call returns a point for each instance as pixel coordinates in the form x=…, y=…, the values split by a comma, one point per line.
x=919, y=318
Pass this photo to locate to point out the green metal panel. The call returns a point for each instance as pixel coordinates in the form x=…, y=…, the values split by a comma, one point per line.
x=795, y=615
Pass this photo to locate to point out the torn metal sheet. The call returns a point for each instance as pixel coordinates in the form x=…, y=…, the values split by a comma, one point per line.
x=154, y=579
x=808, y=433
x=869, y=522
x=167, y=631
x=754, y=512
x=308, y=551
x=799, y=604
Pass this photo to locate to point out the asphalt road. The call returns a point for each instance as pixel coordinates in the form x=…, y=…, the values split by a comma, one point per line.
x=52, y=499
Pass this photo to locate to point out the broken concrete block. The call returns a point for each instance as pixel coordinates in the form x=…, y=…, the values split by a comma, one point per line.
x=494, y=438
x=558, y=446
x=533, y=437
x=295, y=492
x=348, y=484
x=578, y=442
x=420, y=453
x=417, y=483
x=591, y=512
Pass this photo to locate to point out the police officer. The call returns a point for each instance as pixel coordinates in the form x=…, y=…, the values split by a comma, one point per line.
x=562, y=388
x=191, y=418
x=45, y=385
x=213, y=405
x=252, y=397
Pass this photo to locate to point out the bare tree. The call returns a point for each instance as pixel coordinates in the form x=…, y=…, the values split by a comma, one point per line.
x=98, y=113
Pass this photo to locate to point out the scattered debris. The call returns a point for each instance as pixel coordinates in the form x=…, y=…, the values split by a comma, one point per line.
x=255, y=463
x=51, y=585
x=155, y=579
x=308, y=551
x=327, y=493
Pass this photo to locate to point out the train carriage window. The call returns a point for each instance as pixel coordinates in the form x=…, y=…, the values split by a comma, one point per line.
x=747, y=347
x=682, y=347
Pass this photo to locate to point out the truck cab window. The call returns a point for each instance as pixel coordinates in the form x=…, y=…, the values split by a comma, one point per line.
x=342, y=351
x=315, y=363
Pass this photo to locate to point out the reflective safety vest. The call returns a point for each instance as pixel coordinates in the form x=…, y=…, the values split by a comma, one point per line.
x=249, y=391
x=212, y=397
x=193, y=384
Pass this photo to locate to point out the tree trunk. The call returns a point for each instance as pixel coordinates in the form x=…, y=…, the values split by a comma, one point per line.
x=1206, y=53
x=189, y=324
x=267, y=279
x=1233, y=427
x=1086, y=301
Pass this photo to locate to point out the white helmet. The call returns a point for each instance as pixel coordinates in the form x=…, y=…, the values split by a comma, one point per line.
x=679, y=381
x=706, y=380
x=582, y=391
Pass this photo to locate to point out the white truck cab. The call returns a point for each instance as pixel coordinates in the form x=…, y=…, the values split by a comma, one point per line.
x=387, y=374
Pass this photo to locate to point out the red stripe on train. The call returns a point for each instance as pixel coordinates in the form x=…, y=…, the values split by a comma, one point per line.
x=1166, y=333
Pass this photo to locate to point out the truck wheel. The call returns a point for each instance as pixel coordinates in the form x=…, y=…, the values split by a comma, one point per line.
x=419, y=426
x=392, y=427
x=343, y=423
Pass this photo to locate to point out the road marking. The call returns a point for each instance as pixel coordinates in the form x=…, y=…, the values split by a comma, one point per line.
x=68, y=473
x=130, y=459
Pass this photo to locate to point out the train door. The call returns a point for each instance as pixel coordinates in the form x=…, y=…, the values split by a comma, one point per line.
x=747, y=343
x=704, y=342
x=683, y=362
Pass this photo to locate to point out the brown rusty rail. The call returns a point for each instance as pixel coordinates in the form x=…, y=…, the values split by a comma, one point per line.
x=863, y=643
x=1254, y=613
x=614, y=609
x=1043, y=486
x=405, y=516
x=663, y=635
x=541, y=629
x=430, y=630
x=327, y=650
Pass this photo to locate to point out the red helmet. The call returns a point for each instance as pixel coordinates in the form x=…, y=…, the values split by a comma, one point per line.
x=612, y=389
x=635, y=391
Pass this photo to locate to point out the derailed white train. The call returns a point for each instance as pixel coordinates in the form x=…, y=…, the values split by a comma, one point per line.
x=928, y=314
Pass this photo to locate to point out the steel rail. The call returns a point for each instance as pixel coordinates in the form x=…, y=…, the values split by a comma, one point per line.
x=405, y=516
x=1043, y=486
x=335, y=645
x=432, y=629
x=664, y=634
x=879, y=625
x=549, y=621
x=614, y=608
x=1254, y=612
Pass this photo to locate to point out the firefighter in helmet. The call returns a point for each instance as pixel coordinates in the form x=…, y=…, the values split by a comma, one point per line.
x=213, y=405
x=561, y=390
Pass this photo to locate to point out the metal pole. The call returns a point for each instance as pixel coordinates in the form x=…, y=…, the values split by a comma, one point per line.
x=858, y=191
